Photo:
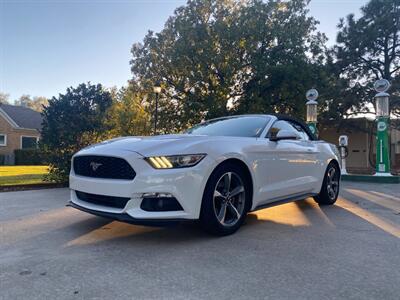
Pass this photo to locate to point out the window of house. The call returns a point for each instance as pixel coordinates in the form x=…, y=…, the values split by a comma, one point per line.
x=28, y=142
x=3, y=139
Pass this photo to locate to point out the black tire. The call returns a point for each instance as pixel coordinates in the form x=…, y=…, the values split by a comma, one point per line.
x=209, y=217
x=330, y=186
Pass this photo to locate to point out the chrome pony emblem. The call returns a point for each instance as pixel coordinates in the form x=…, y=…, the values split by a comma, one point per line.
x=95, y=165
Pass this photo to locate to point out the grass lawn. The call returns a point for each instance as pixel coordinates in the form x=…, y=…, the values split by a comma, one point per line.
x=13, y=175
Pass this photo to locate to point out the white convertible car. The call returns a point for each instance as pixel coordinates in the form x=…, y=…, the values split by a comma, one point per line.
x=216, y=172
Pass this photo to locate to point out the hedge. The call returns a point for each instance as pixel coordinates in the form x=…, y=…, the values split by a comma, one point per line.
x=30, y=157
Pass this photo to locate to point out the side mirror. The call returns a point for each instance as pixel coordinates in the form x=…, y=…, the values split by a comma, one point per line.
x=285, y=135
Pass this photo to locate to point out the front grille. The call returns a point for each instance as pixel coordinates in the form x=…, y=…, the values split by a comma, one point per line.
x=103, y=167
x=117, y=202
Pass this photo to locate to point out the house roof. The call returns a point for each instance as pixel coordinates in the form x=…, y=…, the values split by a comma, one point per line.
x=23, y=117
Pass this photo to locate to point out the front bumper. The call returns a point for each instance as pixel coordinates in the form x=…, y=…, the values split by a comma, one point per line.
x=124, y=217
x=185, y=184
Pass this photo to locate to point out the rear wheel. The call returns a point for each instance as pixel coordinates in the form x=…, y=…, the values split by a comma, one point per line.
x=330, y=186
x=225, y=200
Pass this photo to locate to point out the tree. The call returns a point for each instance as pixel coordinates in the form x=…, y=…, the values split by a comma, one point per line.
x=35, y=103
x=287, y=58
x=38, y=103
x=127, y=115
x=338, y=96
x=4, y=98
x=23, y=100
x=369, y=49
x=71, y=122
x=218, y=57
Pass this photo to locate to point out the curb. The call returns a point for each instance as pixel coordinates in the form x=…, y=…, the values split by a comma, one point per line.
x=34, y=186
x=371, y=178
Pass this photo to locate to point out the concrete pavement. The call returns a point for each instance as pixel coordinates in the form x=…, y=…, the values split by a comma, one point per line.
x=294, y=251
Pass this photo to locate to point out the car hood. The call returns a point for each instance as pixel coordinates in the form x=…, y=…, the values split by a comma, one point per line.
x=154, y=145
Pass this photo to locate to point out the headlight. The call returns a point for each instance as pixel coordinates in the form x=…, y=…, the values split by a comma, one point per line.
x=174, y=161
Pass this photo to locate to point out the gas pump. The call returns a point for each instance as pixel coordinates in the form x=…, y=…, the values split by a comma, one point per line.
x=343, y=151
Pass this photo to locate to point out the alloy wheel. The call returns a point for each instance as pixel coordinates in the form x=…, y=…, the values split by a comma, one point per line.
x=332, y=183
x=229, y=199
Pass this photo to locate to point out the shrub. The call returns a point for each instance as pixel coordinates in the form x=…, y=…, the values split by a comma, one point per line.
x=30, y=157
x=71, y=122
x=2, y=159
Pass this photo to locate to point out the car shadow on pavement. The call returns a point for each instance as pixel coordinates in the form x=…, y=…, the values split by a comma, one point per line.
x=344, y=215
x=292, y=217
x=268, y=220
x=131, y=234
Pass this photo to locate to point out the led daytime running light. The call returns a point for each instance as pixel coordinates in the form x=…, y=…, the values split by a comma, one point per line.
x=174, y=161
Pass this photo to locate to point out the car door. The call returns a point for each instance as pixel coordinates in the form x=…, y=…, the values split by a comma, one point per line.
x=312, y=164
x=286, y=167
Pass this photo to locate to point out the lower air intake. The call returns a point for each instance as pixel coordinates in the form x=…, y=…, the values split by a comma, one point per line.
x=111, y=201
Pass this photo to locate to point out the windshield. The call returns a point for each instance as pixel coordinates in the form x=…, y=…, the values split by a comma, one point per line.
x=245, y=126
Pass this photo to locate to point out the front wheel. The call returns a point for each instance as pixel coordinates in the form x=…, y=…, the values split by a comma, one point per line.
x=330, y=186
x=225, y=200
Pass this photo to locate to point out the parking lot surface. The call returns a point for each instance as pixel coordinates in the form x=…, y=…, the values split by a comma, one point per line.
x=294, y=251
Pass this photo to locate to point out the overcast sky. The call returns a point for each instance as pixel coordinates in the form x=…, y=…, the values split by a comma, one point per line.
x=49, y=45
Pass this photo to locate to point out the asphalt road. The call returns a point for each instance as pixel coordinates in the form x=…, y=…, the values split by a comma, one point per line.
x=294, y=251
